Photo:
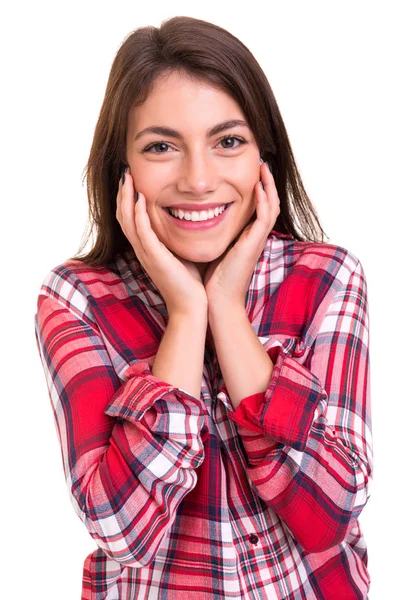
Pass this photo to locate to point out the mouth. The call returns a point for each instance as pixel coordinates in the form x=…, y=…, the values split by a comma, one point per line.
x=198, y=225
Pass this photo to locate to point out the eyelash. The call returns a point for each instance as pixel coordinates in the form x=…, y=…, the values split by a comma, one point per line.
x=234, y=137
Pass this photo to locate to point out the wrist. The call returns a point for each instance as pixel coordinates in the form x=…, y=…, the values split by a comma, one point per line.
x=195, y=315
x=221, y=307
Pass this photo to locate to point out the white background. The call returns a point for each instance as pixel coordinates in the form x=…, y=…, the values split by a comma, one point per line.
x=334, y=72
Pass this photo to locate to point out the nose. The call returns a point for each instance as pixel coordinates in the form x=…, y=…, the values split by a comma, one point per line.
x=199, y=175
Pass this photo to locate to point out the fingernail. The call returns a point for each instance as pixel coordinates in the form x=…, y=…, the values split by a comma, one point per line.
x=261, y=160
x=123, y=174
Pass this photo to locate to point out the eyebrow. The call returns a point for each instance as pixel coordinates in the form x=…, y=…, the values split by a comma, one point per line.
x=176, y=134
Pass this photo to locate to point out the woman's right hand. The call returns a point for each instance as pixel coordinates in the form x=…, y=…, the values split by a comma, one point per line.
x=178, y=280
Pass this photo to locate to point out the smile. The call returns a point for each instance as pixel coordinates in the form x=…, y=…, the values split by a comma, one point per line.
x=195, y=215
x=194, y=220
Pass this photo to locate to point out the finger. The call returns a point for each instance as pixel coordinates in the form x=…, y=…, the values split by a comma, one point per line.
x=119, y=208
x=263, y=204
x=127, y=212
x=269, y=183
x=271, y=193
x=118, y=200
x=265, y=218
x=128, y=207
x=273, y=209
x=144, y=230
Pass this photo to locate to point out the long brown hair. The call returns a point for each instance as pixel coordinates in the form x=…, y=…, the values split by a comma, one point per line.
x=205, y=52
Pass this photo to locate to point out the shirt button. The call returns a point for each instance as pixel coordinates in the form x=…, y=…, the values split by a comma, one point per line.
x=253, y=539
x=299, y=349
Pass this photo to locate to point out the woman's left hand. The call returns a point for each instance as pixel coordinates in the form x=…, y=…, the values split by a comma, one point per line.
x=227, y=278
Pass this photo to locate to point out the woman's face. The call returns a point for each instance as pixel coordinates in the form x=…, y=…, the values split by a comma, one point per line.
x=194, y=168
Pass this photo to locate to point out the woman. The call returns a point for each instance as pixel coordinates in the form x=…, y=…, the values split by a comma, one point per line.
x=208, y=359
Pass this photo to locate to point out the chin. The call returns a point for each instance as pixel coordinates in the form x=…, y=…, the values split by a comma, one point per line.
x=199, y=256
x=206, y=256
x=202, y=259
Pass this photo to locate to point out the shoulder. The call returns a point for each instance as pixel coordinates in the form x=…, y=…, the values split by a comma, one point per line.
x=304, y=279
x=313, y=259
x=71, y=274
x=74, y=285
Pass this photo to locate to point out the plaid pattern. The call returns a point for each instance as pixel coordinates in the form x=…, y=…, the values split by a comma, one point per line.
x=189, y=498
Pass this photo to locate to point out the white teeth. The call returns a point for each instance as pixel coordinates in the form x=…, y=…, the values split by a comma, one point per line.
x=203, y=215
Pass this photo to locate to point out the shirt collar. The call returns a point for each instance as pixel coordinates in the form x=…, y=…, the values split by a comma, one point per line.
x=279, y=234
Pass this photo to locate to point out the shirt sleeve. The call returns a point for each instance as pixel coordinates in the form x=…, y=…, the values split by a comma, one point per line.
x=308, y=438
x=130, y=451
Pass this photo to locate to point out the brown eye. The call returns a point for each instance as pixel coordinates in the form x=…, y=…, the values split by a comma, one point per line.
x=230, y=138
x=227, y=138
x=156, y=144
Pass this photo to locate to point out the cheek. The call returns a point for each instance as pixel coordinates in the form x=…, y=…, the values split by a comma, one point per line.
x=144, y=180
x=251, y=196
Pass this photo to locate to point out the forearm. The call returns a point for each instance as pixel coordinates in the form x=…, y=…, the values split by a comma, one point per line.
x=180, y=357
x=245, y=365
x=124, y=445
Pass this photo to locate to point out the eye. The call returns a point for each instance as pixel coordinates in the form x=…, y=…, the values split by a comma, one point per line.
x=157, y=144
x=234, y=137
x=225, y=138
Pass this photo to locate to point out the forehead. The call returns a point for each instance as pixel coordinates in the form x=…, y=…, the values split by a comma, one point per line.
x=184, y=103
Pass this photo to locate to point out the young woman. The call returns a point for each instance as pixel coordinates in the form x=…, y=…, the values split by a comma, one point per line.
x=208, y=359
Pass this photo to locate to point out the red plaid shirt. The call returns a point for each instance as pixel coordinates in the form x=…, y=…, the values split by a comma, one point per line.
x=189, y=498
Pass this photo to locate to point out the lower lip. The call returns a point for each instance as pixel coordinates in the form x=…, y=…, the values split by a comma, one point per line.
x=197, y=225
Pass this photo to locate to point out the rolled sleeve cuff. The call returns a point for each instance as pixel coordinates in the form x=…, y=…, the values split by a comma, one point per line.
x=286, y=411
x=142, y=390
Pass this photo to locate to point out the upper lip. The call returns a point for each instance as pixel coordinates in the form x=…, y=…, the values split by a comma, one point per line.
x=197, y=207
